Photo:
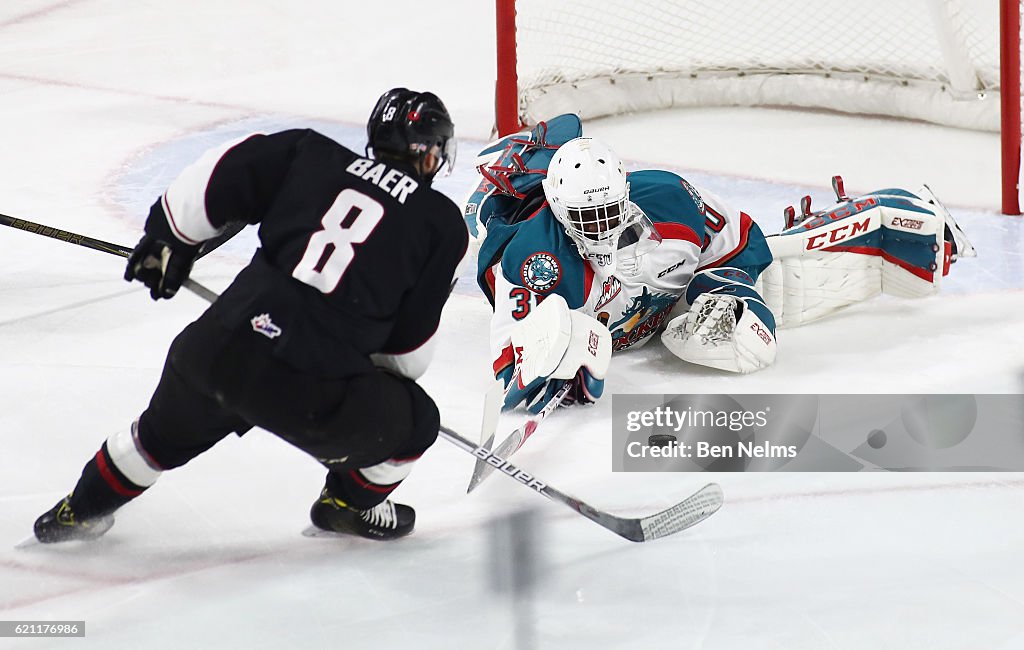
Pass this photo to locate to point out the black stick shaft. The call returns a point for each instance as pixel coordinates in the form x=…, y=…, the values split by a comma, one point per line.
x=116, y=249
x=66, y=236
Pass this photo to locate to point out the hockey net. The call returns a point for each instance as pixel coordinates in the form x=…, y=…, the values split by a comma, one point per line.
x=931, y=60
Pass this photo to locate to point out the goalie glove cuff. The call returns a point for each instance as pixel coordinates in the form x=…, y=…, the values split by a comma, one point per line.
x=589, y=388
x=585, y=389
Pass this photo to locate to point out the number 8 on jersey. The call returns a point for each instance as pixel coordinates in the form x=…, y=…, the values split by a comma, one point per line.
x=350, y=220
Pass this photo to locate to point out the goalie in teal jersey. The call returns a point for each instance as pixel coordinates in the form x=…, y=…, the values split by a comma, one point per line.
x=580, y=258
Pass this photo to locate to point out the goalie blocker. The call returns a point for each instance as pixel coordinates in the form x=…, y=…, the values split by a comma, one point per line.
x=555, y=345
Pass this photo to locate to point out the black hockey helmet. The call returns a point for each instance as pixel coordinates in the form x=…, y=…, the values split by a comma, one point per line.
x=407, y=124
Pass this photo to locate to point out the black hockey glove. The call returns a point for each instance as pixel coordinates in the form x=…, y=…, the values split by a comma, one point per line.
x=160, y=260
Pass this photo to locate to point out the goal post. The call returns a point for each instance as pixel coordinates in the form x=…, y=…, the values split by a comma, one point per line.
x=1010, y=123
x=951, y=62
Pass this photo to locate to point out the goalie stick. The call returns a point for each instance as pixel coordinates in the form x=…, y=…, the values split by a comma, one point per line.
x=119, y=250
x=690, y=511
x=492, y=410
x=515, y=440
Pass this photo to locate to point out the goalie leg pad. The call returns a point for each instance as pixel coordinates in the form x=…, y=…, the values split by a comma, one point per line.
x=802, y=289
x=890, y=241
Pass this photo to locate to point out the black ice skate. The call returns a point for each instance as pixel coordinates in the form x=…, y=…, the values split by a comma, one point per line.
x=59, y=524
x=387, y=520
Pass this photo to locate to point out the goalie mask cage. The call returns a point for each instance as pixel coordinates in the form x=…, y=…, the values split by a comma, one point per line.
x=951, y=62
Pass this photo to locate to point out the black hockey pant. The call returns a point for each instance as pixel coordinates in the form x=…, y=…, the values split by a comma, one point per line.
x=365, y=428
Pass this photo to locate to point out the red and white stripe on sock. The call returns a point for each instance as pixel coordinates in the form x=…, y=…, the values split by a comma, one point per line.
x=125, y=465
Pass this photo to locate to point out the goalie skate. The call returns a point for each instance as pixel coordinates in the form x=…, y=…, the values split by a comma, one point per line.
x=955, y=235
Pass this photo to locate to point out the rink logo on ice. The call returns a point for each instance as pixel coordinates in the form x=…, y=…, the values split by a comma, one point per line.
x=263, y=325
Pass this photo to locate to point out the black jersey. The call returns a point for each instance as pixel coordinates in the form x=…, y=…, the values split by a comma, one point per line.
x=357, y=256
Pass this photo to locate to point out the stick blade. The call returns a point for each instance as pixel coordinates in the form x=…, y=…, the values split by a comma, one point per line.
x=515, y=440
x=689, y=512
x=504, y=450
x=493, y=400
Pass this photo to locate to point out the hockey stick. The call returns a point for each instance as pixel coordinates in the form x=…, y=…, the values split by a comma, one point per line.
x=493, y=400
x=690, y=511
x=515, y=440
x=121, y=251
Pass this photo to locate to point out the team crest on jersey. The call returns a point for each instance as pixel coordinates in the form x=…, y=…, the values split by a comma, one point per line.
x=694, y=194
x=263, y=325
x=611, y=288
x=541, y=272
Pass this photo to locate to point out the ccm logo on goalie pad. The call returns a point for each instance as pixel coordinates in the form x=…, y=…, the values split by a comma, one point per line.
x=843, y=211
x=841, y=233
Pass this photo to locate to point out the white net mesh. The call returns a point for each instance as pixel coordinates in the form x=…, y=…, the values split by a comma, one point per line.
x=936, y=60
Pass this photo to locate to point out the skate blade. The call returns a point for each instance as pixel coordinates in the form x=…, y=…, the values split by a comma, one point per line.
x=28, y=542
x=313, y=531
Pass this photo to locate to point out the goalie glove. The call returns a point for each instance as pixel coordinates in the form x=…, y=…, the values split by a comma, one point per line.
x=727, y=327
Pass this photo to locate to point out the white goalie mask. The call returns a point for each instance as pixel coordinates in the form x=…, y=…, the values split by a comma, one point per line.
x=587, y=191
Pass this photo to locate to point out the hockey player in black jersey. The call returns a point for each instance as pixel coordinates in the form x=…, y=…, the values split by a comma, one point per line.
x=320, y=339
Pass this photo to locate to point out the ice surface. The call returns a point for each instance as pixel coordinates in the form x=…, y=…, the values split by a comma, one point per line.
x=104, y=101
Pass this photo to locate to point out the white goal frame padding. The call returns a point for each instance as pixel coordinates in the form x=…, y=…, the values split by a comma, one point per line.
x=634, y=93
